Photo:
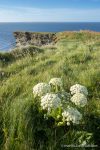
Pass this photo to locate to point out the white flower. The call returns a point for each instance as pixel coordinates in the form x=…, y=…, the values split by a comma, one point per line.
x=50, y=101
x=79, y=99
x=71, y=115
x=41, y=88
x=77, y=88
x=56, y=82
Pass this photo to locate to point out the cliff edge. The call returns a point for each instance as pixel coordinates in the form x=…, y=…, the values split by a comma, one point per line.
x=34, y=38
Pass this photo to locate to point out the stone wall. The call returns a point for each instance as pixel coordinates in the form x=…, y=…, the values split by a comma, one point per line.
x=34, y=38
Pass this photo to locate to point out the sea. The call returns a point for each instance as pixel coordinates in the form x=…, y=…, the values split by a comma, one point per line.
x=7, y=40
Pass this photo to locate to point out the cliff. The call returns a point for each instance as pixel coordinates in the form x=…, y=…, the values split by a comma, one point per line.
x=45, y=38
x=34, y=38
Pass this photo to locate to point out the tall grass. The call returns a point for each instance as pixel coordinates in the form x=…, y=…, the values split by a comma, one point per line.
x=22, y=125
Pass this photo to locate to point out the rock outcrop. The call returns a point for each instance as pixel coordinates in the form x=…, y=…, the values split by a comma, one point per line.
x=34, y=38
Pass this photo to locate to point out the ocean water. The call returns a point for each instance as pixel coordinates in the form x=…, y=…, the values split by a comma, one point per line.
x=7, y=40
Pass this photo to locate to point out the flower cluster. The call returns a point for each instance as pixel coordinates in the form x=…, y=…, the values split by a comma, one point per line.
x=58, y=103
x=50, y=101
x=79, y=99
x=71, y=115
x=56, y=82
x=41, y=89
x=77, y=88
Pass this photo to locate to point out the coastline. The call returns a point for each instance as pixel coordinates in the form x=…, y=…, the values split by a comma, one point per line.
x=7, y=40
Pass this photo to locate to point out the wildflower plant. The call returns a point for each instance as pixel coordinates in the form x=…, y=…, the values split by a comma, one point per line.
x=71, y=115
x=77, y=88
x=50, y=101
x=79, y=99
x=64, y=107
x=40, y=89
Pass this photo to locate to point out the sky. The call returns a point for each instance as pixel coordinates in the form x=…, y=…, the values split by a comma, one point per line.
x=49, y=10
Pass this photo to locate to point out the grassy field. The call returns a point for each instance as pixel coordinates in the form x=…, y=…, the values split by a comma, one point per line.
x=75, y=58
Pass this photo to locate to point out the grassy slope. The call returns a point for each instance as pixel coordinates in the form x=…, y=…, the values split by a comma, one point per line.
x=75, y=58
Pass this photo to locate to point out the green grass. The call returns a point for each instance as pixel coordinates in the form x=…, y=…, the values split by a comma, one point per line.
x=21, y=123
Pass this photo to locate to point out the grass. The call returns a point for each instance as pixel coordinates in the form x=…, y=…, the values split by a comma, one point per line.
x=75, y=58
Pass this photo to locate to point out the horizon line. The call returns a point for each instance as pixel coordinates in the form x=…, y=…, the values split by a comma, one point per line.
x=51, y=22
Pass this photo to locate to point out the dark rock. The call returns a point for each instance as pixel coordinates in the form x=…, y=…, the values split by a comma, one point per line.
x=32, y=38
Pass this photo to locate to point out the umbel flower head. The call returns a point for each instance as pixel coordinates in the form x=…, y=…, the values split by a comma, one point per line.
x=56, y=82
x=50, y=101
x=77, y=88
x=71, y=115
x=79, y=99
x=41, y=89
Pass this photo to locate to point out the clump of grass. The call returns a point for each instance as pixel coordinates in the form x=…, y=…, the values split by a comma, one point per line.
x=5, y=58
x=24, y=51
x=12, y=56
